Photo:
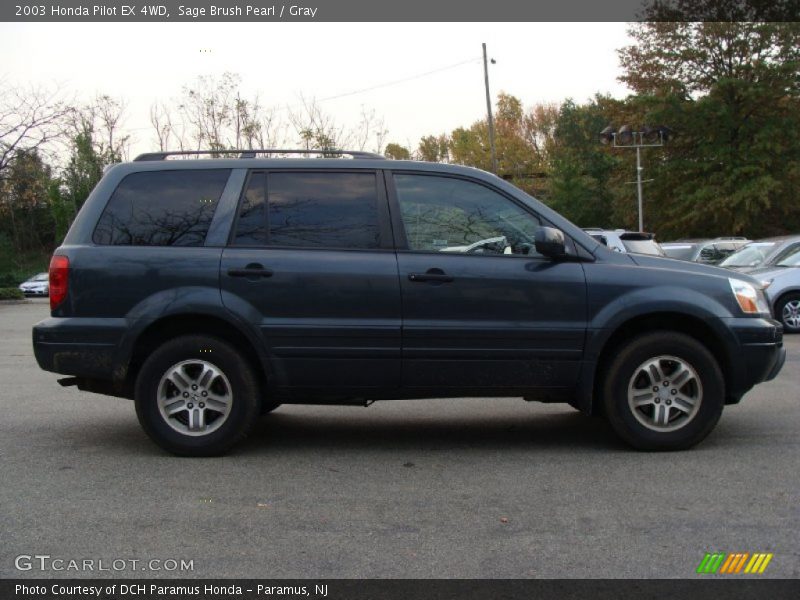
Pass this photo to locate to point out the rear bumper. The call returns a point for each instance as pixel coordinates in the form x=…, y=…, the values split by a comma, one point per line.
x=79, y=347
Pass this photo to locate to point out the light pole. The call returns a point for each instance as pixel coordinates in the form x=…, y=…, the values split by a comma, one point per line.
x=648, y=137
x=489, y=110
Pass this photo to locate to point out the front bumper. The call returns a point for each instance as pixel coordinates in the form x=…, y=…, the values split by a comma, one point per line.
x=759, y=354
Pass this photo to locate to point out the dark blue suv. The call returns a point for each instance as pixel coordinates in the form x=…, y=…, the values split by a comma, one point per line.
x=211, y=291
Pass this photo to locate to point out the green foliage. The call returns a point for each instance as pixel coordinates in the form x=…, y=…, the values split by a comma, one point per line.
x=16, y=267
x=84, y=170
x=11, y=293
x=730, y=91
x=397, y=152
x=24, y=216
x=580, y=170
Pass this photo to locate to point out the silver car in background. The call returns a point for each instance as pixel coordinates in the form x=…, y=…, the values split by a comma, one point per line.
x=781, y=282
x=761, y=253
x=708, y=251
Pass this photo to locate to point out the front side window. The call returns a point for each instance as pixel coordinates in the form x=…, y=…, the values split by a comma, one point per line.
x=161, y=208
x=310, y=210
x=445, y=214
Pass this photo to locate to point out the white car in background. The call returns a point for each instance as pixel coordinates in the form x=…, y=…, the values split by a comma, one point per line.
x=621, y=240
x=38, y=285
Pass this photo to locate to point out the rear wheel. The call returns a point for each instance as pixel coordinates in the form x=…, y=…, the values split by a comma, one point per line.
x=788, y=311
x=196, y=396
x=663, y=391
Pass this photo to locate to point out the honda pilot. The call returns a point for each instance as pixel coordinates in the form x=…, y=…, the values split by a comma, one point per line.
x=213, y=290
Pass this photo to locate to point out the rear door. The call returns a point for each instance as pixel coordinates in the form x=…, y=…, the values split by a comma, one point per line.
x=482, y=309
x=311, y=263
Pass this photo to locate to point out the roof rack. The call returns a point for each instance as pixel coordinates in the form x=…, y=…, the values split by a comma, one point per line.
x=252, y=153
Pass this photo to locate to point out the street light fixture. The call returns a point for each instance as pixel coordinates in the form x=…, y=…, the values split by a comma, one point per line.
x=626, y=137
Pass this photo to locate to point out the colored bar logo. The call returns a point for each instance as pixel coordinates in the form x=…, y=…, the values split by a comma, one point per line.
x=734, y=563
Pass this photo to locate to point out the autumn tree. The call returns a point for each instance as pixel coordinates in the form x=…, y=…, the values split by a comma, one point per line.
x=434, y=148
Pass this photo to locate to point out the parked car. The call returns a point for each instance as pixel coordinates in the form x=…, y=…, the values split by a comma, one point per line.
x=620, y=240
x=210, y=291
x=761, y=253
x=38, y=285
x=709, y=251
x=781, y=280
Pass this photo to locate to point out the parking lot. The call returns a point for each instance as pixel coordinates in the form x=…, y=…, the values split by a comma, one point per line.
x=446, y=488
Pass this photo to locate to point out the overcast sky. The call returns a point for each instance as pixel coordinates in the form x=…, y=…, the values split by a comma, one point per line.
x=144, y=63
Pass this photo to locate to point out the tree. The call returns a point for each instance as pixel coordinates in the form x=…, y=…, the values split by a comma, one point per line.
x=397, y=152
x=580, y=177
x=24, y=202
x=30, y=119
x=84, y=170
x=731, y=90
x=434, y=148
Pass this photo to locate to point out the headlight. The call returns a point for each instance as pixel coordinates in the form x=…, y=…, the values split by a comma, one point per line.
x=750, y=298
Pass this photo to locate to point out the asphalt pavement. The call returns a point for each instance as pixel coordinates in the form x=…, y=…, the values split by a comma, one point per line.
x=467, y=488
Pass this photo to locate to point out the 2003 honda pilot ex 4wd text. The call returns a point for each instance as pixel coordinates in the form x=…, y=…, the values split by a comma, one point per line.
x=213, y=290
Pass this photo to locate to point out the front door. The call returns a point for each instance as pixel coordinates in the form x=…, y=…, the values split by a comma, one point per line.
x=482, y=310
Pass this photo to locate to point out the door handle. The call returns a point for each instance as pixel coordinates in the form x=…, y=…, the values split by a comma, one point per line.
x=252, y=271
x=431, y=276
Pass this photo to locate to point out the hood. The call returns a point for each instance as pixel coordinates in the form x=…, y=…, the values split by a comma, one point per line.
x=672, y=264
x=775, y=273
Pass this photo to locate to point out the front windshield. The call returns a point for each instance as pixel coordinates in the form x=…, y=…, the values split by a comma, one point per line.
x=751, y=255
x=41, y=277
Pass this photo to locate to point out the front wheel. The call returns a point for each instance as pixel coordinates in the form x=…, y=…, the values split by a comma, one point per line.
x=788, y=311
x=663, y=391
x=196, y=395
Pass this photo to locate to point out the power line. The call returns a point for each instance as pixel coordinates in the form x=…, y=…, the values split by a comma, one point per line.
x=395, y=82
x=367, y=89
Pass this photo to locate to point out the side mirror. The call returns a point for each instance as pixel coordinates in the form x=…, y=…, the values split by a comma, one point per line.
x=550, y=242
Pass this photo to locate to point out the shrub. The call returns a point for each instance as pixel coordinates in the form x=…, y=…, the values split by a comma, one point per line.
x=10, y=293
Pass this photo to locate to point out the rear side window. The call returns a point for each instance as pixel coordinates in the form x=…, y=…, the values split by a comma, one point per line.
x=310, y=210
x=161, y=208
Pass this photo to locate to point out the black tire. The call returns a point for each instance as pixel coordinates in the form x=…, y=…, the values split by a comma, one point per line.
x=243, y=392
x=626, y=365
x=779, y=308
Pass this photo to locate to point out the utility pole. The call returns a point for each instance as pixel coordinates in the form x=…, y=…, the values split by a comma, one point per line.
x=627, y=138
x=639, y=185
x=489, y=111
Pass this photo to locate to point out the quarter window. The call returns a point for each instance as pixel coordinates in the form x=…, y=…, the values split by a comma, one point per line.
x=161, y=208
x=444, y=214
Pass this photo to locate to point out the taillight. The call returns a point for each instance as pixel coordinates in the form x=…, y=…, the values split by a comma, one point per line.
x=59, y=275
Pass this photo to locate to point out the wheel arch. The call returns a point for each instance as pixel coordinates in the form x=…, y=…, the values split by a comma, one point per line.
x=690, y=325
x=171, y=326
